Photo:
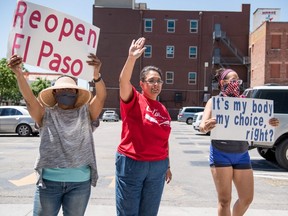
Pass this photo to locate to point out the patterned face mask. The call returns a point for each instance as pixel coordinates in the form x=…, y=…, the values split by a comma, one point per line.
x=231, y=89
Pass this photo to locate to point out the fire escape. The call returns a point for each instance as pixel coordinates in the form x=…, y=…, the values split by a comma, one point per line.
x=237, y=58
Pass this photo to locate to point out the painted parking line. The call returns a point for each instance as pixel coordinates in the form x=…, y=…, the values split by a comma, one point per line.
x=270, y=176
x=278, y=176
x=112, y=183
x=27, y=180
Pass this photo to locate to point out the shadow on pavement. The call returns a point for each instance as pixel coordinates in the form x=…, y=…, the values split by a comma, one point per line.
x=264, y=165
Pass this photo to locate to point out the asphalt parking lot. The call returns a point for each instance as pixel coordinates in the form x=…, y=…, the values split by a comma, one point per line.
x=190, y=192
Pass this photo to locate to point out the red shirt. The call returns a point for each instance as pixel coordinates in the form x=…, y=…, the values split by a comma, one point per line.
x=145, y=129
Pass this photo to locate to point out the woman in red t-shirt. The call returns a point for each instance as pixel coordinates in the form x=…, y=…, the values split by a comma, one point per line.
x=142, y=160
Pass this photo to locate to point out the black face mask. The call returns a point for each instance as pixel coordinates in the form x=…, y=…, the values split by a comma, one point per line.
x=66, y=98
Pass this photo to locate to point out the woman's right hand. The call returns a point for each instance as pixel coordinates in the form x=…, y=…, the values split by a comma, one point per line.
x=15, y=63
x=137, y=48
x=209, y=125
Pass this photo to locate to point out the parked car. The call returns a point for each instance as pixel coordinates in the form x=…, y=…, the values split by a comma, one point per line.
x=197, y=120
x=186, y=114
x=16, y=119
x=110, y=115
x=277, y=150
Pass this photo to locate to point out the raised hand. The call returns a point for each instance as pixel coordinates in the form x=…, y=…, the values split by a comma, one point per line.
x=137, y=48
x=94, y=61
x=15, y=63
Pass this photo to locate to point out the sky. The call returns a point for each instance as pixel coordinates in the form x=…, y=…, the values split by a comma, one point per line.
x=82, y=9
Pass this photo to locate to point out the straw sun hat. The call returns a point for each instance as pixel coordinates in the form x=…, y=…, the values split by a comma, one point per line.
x=46, y=96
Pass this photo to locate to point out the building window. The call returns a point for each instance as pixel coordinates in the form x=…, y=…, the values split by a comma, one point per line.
x=148, y=25
x=274, y=70
x=169, y=51
x=193, y=26
x=275, y=41
x=169, y=77
x=170, y=26
x=148, y=51
x=192, y=52
x=192, y=78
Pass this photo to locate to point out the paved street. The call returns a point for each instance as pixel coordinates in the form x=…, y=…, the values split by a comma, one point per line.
x=191, y=189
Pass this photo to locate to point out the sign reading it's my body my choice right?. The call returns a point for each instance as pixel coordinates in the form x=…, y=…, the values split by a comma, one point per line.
x=245, y=119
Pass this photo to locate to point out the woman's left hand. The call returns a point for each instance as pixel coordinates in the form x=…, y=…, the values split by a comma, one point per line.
x=274, y=122
x=168, y=176
x=94, y=61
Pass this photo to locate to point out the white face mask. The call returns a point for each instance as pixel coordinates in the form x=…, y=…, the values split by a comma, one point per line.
x=66, y=98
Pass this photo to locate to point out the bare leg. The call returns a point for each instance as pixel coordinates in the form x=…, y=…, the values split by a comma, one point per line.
x=244, y=183
x=223, y=181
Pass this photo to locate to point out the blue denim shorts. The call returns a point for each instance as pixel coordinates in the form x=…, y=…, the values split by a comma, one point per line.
x=223, y=159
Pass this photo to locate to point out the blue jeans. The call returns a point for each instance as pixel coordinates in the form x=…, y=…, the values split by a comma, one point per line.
x=139, y=186
x=73, y=196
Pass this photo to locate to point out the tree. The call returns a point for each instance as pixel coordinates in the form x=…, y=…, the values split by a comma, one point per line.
x=40, y=84
x=9, y=90
x=8, y=84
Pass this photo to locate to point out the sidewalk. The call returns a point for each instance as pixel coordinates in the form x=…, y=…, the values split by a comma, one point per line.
x=102, y=210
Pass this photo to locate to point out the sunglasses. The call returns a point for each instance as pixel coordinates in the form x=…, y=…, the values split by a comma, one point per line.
x=239, y=81
x=153, y=82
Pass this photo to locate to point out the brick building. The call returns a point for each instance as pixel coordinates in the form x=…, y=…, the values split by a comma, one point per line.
x=269, y=54
x=187, y=45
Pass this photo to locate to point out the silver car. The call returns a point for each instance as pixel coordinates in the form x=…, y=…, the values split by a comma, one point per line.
x=16, y=119
x=186, y=114
x=110, y=115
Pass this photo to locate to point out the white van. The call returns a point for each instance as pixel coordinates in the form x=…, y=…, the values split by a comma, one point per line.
x=277, y=150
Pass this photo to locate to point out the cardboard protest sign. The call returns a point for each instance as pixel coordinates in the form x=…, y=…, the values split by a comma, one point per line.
x=244, y=119
x=52, y=40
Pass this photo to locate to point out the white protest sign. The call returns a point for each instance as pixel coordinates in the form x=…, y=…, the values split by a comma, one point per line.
x=52, y=40
x=245, y=119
